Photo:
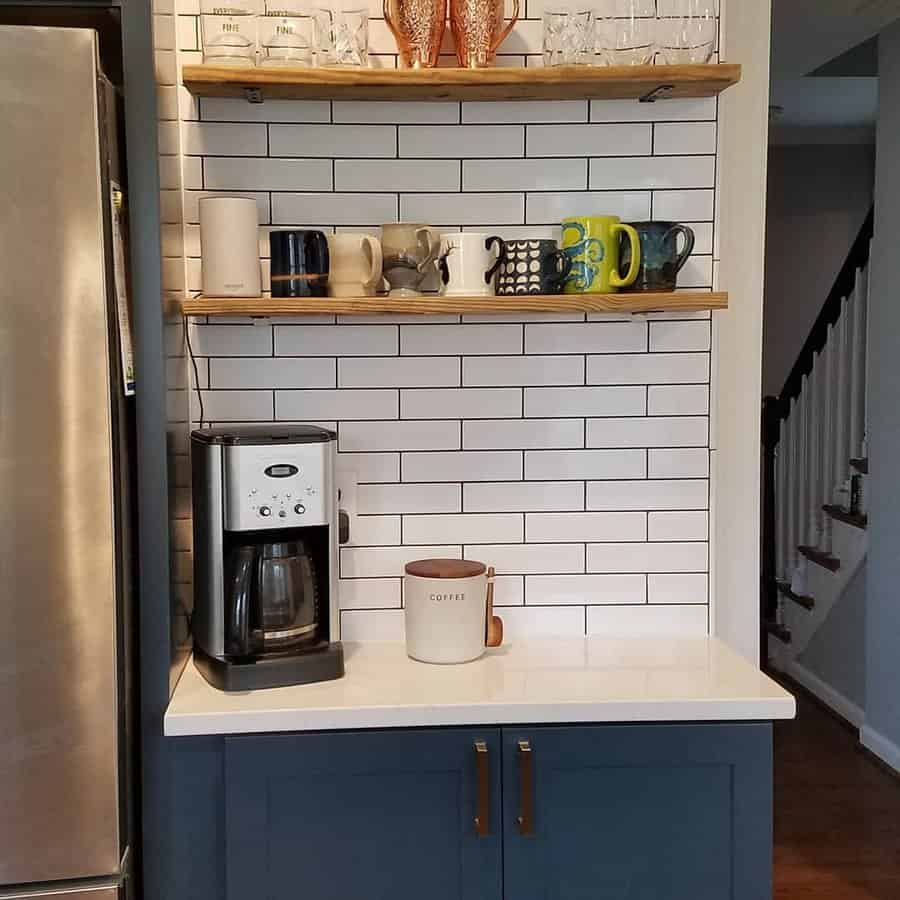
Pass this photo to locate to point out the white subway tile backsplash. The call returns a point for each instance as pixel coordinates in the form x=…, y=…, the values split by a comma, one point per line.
x=511, y=434
x=653, y=172
x=230, y=173
x=626, y=495
x=222, y=139
x=375, y=531
x=192, y=204
x=660, y=431
x=336, y=340
x=670, y=111
x=461, y=403
x=585, y=401
x=409, y=371
x=273, y=372
x=648, y=621
x=553, y=207
x=636, y=558
x=678, y=588
x=457, y=340
x=520, y=623
x=588, y=140
x=369, y=467
x=678, y=400
x=523, y=370
x=679, y=336
x=684, y=137
x=648, y=368
x=333, y=141
x=386, y=562
x=373, y=625
x=509, y=590
x=368, y=112
x=524, y=175
x=223, y=109
x=401, y=175
x=672, y=463
x=402, y=435
x=534, y=559
x=345, y=404
x=584, y=465
x=514, y=111
x=234, y=406
x=466, y=465
x=460, y=141
x=369, y=593
x=462, y=209
x=593, y=337
x=590, y=590
x=588, y=527
x=683, y=206
x=560, y=496
x=231, y=340
x=384, y=499
x=463, y=529
x=339, y=209
x=678, y=526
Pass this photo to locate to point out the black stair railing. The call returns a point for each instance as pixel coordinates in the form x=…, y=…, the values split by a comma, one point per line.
x=775, y=409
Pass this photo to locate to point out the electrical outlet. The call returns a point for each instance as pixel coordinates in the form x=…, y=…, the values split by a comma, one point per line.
x=346, y=484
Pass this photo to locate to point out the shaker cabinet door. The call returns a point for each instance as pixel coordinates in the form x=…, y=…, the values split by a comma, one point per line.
x=681, y=812
x=371, y=815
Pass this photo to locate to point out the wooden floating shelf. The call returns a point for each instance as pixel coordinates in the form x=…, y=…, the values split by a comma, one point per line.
x=647, y=83
x=685, y=301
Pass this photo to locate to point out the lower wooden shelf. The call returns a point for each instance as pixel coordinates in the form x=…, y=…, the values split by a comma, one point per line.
x=683, y=301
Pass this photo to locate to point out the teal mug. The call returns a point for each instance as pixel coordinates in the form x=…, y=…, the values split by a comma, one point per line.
x=661, y=260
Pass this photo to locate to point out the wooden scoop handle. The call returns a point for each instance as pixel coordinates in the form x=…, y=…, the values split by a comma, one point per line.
x=493, y=624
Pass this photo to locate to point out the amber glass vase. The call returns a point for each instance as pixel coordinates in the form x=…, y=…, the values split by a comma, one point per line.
x=478, y=30
x=418, y=26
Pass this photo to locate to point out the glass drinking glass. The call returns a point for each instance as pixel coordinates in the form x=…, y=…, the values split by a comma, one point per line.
x=626, y=32
x=284, y=34
x=568, y=36
x=228, y=31
x=341, y=35
x=686, y=31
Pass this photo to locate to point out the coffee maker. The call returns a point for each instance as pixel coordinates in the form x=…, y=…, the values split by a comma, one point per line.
x=265, y=556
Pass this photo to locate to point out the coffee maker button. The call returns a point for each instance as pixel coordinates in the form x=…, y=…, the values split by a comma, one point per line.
x=265, y=512
x=299, y=509
x=282, y=514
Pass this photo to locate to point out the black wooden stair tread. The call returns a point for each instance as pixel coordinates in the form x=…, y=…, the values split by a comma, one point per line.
x=825, y=560
x=854, y=519
x=861, y=465
x=779, y=631
x=801, y=599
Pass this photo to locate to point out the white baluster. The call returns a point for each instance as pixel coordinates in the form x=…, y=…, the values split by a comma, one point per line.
x=793, y=483
x=863, y=285
x=781, y=497
x=842, y=408
x=858, y=363
x=813, y=446
x=826, y=446
x=801, y=467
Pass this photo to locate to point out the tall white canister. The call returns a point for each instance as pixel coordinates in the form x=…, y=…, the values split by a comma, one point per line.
x=449, y=610
x=229, y=242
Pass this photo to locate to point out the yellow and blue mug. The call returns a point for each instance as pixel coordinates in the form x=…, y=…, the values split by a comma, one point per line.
x=592, y=245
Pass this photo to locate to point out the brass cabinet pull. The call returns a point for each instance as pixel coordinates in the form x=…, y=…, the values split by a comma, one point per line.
x=525, y=819
x=483, y=799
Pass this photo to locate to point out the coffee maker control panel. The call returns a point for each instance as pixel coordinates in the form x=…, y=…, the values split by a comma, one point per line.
x=277, y=486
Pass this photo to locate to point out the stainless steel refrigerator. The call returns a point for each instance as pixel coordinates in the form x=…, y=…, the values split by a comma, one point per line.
x=65, y=432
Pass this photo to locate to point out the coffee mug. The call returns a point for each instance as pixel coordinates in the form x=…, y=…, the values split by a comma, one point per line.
x=592, y=245
x=467, y=263
x=355, y=265
x=449, y=610
x=300, y=263
x=530, y=267
x=409, y=251
x=661, y=260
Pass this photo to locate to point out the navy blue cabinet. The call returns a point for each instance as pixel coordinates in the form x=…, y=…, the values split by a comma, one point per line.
x=371, y=815
x=637, y=812
x=605, y=812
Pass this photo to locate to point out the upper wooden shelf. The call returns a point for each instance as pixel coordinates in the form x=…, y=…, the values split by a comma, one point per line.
x=683, y=301
x=502, y=83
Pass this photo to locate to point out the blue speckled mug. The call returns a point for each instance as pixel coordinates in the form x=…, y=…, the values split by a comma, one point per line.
x=661, y=261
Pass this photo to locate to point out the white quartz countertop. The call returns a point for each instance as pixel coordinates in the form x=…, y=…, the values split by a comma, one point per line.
x=525, y=682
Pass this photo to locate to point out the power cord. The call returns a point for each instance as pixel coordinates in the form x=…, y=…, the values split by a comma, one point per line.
x=187, y=338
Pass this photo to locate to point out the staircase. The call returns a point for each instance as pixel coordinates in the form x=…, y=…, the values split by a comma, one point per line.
x=815, y=472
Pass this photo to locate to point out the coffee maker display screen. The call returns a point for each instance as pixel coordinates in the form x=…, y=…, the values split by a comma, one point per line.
x=281, y=471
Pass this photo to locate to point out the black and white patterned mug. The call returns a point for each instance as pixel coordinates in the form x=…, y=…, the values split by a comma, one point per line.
x=530, y=267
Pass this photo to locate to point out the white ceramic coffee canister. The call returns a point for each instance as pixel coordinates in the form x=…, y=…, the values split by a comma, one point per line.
x=229, y=247
x=449, y=610
x=466, y=264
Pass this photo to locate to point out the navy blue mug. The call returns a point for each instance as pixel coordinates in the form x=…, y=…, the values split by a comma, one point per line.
x=661, y=260
x=300, y=263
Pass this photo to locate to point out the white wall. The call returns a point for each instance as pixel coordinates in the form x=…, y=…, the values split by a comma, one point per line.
x=818, y=198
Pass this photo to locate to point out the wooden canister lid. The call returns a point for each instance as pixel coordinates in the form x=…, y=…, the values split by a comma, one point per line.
x=445, y=568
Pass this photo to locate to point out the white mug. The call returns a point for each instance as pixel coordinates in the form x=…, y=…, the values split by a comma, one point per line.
x=449, y=607
x=355, y=265
x=466, y=263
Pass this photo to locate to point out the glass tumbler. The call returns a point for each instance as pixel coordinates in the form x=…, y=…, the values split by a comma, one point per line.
x=626, y=32
x=284, y=35
x=228, y=32
x=686, y=31
x=341, y=35
x=568, y=36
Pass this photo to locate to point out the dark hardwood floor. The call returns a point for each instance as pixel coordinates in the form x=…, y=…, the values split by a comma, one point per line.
x=837, y=814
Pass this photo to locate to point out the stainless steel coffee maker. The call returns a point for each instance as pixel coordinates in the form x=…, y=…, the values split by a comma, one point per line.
x=266, y=531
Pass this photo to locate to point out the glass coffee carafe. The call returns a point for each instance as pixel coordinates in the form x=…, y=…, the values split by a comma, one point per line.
x=271, y=600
